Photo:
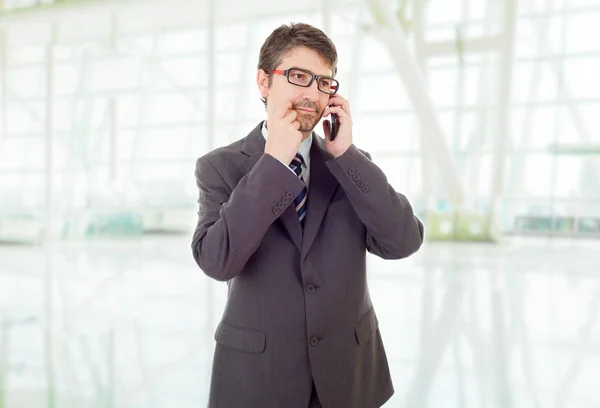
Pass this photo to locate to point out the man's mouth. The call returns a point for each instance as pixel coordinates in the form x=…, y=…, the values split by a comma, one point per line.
x=307, y=110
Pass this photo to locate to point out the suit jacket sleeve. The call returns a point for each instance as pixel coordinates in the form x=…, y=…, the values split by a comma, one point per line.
x=233, y=220
x=393, y=231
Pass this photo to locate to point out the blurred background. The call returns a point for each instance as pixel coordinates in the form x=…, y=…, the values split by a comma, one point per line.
x=484, y=113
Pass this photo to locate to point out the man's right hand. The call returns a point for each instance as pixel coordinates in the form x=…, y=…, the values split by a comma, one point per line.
x=284, y=137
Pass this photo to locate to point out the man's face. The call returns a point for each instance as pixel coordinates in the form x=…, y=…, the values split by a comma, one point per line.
x=309, y=103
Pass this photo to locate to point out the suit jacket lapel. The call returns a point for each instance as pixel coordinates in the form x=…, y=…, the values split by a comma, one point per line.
x=254, y=147
x=321, y=189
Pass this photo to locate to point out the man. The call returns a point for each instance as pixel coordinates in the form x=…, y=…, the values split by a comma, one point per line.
x=286, y=218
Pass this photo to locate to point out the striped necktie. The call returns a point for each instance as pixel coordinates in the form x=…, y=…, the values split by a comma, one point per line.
x=300, y=200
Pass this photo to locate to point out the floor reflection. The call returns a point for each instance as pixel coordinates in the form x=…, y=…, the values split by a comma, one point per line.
x=130, y=324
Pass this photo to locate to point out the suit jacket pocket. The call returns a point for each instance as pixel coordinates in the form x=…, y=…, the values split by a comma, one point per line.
x=251, y=341
x=366, y=327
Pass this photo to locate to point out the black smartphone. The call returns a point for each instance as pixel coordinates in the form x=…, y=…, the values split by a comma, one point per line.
x=335, y=125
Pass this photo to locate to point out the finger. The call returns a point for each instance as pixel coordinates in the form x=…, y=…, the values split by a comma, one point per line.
x=338, y=100
x=338, y=110
x=345, y=105
x=285, y=110
x=271, y=110
x=278, y=112
x=290, y=116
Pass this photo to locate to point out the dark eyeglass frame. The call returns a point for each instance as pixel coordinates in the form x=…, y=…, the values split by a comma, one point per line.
x=314, y=77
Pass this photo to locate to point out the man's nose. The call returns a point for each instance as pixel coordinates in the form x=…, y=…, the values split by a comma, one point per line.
x=311, y=92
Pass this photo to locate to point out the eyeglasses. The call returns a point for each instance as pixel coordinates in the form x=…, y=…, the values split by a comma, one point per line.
x=304, y=78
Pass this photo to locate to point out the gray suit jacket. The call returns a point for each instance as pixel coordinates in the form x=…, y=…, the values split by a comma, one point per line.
x=298, y=307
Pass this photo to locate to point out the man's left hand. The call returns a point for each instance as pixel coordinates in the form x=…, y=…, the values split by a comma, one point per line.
x=343, y=140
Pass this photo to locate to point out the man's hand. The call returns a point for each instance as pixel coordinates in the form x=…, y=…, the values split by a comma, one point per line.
x=284, y=137
x=343, y=140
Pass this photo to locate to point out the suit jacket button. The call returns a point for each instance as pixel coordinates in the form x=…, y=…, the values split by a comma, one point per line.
x=280, y=205
x=314, y=340
x=289, y=194
x=351, y=171
x=310, y=288
x=365, y=189
x=356, y=177
x=360, y=183
x=276, y=211
x=285, y=200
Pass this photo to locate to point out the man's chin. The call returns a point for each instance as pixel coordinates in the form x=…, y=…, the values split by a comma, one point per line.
x=307, y=127
x=307, y=123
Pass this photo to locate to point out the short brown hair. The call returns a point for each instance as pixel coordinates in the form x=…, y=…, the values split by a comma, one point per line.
x=287, y=37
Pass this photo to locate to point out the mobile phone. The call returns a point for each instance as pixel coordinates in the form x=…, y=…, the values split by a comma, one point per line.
x=335, y=125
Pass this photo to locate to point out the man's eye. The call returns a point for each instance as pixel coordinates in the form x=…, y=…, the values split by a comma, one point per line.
x=299, y=76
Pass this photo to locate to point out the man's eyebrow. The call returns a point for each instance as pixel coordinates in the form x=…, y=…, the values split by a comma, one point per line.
x=308, y=70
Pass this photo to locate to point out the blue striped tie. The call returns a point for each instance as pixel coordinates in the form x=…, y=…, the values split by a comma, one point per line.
x=300, y=200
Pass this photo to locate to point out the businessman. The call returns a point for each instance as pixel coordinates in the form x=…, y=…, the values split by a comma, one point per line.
x=286, y=218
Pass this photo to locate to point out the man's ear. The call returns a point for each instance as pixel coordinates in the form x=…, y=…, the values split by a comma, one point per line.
x=262, y=80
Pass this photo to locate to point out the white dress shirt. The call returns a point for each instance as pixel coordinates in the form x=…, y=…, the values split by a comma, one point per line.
x=304, y=150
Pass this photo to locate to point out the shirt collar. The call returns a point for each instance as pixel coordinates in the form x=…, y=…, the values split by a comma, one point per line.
x=304, y=148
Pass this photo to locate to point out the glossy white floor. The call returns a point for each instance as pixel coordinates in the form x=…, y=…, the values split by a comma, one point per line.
x=130, y=324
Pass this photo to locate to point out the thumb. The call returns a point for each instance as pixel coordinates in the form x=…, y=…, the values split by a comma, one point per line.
x=327, y=129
